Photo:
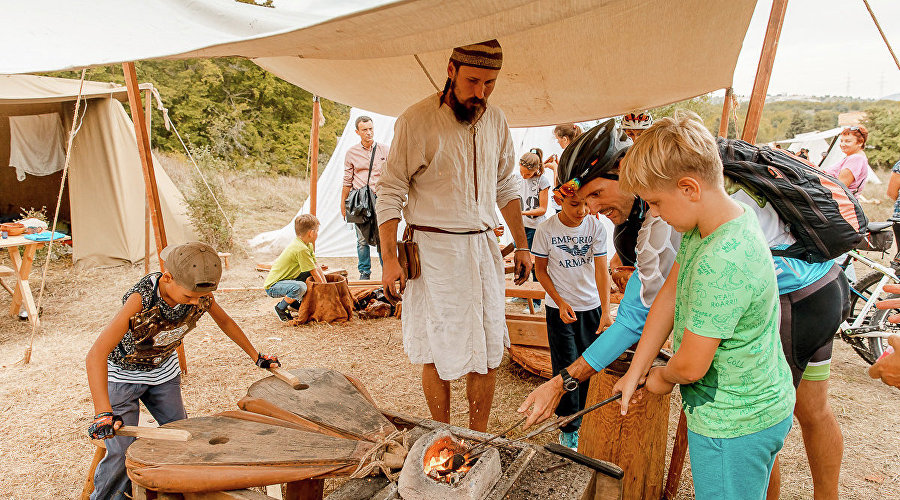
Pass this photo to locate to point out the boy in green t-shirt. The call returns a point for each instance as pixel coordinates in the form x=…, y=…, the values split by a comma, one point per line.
x=297, y=262
x=722, y=299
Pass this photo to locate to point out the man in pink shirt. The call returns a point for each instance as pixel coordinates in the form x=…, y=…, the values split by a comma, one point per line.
x=357, y=173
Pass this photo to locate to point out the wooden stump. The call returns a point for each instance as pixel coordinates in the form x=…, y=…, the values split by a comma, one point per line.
x=328, y=302
x=635, y=442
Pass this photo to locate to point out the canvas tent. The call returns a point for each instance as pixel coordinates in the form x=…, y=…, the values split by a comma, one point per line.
x=386, y=55
x=336, y=237
x=105, y=197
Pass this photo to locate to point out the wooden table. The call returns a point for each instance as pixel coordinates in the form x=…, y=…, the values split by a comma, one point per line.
x=530, y=291
x=21, y=264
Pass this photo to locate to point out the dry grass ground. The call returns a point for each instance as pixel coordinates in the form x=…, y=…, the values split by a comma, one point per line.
x=46, y=405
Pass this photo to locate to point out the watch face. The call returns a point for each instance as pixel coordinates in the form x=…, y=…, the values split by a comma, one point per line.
x=570, y=384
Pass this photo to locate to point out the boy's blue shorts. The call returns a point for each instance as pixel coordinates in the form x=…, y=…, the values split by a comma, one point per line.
x=735, y=467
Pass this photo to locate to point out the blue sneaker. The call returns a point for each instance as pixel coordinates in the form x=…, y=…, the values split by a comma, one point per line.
x=569, y=440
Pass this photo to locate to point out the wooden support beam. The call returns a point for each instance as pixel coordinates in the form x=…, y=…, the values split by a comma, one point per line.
x=143, y=142
x=764, y=70
x=726, y=113
x=527, y=330
x=147, y=115
x=314, y=155
x=307, y=489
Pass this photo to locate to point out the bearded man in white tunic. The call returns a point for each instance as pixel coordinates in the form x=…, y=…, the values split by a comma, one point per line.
x=451, y=164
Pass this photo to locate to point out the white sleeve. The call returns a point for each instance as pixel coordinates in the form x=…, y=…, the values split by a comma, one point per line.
x=599, y=239
x=540, y=245
x=657, y=244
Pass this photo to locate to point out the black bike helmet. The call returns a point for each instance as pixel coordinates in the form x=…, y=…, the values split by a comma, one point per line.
x=595, y=153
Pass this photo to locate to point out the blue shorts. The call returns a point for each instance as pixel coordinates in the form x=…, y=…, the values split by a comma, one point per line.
x=735, y=467
x=287, y=288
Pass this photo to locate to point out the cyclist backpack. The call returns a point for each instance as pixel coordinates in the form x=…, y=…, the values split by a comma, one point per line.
x=821, y=213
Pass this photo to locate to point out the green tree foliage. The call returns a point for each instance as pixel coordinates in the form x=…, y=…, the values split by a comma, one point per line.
x=241, y=113
x=883, y=124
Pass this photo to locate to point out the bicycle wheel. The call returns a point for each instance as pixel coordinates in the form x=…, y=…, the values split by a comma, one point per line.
x=869, y=349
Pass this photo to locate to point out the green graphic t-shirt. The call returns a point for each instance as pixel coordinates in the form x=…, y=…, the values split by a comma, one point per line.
x=298, y=257
x=726, y=289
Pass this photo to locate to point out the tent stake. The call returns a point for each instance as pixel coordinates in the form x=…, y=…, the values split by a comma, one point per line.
x=764, y=70
x=314, y=155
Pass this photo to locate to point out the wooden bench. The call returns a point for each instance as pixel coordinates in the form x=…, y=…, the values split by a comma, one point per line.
x=530, y=291
x=224, y=256
x=6, y=272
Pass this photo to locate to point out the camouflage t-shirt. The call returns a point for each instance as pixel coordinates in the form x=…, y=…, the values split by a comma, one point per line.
x=726, y=289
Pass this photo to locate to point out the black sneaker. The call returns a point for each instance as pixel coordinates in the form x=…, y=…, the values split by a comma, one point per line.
x=363, y=277
x=283, y=314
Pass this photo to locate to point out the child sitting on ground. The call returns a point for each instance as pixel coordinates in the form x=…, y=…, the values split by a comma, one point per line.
x=722, y=298
x=134, y=357
x=297, y=262
x=570, y=262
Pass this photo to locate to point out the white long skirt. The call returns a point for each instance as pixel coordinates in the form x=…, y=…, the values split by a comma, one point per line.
x=453, y=314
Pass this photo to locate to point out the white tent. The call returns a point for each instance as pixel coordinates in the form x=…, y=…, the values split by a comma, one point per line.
x=104, y=199
x=823, y=142
x=336, y=237
x=563, y=61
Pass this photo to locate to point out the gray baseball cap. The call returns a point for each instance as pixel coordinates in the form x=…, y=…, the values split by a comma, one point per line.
x=195, y=266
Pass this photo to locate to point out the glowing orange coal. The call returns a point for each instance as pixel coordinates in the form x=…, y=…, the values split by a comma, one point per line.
x=437, y=460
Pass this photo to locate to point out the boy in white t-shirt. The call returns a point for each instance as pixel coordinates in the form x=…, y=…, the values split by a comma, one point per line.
x=570, y=262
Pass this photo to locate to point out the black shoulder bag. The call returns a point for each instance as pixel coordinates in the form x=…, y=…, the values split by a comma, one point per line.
x=360, y=203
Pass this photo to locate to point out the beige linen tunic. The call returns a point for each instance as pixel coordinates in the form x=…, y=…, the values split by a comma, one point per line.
x=453, y=176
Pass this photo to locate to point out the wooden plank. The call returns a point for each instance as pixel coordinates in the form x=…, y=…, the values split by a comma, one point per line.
x=138, y=492
x=288, y=378
x=147, y=115
x=227, y=495
x=764, y=70
x=529, y=332
x=527, y=290
x=231, y=441
x=676, y=463
x=359, y=489
x=331, y=400
x=307, y=489
x=143, y=144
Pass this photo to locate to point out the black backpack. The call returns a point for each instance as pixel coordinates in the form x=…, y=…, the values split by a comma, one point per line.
x=821, y=213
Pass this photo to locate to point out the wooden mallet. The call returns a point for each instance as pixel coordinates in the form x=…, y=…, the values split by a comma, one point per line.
x=153, y=433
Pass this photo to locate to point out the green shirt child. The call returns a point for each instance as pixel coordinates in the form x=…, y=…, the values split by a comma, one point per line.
x=727, y=289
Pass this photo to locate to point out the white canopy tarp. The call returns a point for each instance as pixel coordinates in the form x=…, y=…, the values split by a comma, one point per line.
x=563, y=61
x=337, y=238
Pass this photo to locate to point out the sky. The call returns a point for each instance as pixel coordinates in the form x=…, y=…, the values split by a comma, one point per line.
x=827, y=47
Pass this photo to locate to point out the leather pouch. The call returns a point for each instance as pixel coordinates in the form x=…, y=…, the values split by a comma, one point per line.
x=408, y=255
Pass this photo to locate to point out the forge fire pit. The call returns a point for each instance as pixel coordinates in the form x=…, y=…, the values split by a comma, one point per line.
x=424, y=476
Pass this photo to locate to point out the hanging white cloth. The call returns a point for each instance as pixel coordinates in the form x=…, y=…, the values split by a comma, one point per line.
x=36, y=144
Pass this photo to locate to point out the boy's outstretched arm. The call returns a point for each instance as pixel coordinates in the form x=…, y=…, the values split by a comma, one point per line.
x=235, y=333
x=97, y=373
x=692, y=360
x=656, y=331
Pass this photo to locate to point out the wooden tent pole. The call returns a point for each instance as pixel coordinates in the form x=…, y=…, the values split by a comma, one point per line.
x=314, y=156
x=764, y=70
x=147, y=114
x=143, y=142
x=726, y=113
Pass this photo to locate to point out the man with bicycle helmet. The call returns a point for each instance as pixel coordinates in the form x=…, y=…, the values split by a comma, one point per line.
x=634, y=124
x=813, y=297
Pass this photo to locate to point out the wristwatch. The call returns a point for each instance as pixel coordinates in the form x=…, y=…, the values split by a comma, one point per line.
x=570, y=383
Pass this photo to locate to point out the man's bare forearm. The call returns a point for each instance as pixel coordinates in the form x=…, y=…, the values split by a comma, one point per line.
x=387, y=231
x=512, y=214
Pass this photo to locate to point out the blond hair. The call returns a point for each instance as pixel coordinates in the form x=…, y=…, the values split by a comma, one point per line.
x=533, y=160
x=670, y=149
x=305, y=223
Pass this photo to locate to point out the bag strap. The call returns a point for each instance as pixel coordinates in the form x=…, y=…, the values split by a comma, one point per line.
x=371, y=161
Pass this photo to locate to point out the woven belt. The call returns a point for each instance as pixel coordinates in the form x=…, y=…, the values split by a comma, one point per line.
x=429, y=229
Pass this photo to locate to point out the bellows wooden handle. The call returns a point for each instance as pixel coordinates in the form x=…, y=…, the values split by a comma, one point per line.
x=288, y=377
x=154, y=433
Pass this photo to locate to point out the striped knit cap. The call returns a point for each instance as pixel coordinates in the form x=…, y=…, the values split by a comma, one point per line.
x=487, y=55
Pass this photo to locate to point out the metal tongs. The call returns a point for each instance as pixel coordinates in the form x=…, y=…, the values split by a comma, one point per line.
x=549, y=426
